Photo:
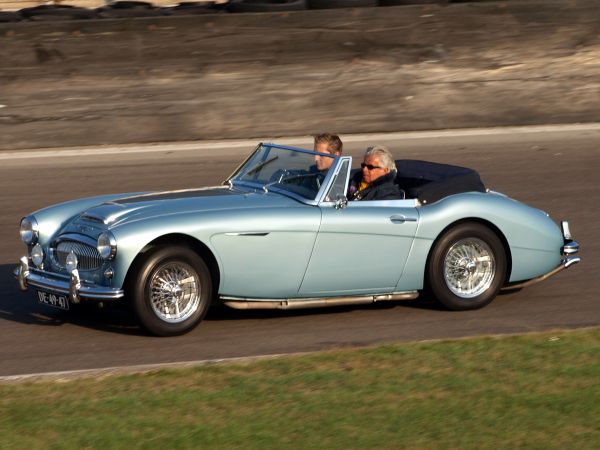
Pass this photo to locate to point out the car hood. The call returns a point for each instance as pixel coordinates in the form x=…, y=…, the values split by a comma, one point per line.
x=154, y=204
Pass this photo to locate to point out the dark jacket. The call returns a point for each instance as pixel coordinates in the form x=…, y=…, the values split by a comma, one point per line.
x=383, y=188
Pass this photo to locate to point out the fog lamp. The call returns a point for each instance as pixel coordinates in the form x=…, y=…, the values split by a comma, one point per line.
x=37, y=255
x=71, y=262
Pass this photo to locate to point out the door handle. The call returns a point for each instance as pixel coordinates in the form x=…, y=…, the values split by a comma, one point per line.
x=399, y=218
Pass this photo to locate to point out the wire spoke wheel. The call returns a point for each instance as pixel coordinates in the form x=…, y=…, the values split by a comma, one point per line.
x=469, y=267
x=174, y=292
x=171, y=290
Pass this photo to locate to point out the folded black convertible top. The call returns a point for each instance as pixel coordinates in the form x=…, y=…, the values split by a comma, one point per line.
x=430, y=181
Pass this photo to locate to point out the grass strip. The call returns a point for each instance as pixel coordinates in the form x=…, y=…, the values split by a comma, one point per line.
x=522, y=392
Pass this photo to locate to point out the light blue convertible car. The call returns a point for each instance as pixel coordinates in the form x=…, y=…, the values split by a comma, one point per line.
x=281, y=234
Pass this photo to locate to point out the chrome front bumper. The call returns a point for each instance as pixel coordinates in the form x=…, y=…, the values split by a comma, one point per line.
x=68, y=285
x=569, y=249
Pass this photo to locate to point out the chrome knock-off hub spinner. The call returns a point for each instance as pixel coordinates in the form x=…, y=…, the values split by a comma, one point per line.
x=469, y=267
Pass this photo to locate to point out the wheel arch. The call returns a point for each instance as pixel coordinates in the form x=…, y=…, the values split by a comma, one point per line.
x=480, y=221
x=175, y=239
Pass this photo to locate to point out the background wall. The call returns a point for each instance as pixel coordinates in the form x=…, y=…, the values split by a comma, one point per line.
x=13, y=5
x=345, y=70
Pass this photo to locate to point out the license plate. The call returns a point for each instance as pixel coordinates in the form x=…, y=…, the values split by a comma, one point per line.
x=55, y=300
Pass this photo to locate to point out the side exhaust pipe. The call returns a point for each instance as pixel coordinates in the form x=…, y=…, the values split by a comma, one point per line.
x=292, y=303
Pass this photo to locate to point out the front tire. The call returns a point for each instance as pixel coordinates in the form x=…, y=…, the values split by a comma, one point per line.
x=171, y=291
x=467, y=267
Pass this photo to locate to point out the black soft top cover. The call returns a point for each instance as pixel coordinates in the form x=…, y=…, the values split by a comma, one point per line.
x=430, y=182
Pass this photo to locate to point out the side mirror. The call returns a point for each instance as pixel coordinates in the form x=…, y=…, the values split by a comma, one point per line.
x=341, y=202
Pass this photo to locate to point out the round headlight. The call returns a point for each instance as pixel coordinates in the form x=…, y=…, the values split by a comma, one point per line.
x=107, y=245
x=29, y=230
x=37, y=255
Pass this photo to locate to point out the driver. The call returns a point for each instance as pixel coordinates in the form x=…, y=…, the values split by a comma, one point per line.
x=312, y=178
x=326, y=143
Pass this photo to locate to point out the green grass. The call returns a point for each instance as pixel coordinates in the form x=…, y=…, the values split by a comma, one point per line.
x=526, y=392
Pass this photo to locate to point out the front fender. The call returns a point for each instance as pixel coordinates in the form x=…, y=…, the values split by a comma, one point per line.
x=133, y=237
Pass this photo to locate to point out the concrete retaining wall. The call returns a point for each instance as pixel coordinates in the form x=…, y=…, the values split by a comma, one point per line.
x=351, y=70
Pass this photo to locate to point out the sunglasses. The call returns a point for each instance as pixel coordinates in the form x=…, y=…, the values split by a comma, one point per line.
x=369, y=166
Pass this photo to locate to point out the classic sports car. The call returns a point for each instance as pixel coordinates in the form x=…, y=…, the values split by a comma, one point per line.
x=281, y=234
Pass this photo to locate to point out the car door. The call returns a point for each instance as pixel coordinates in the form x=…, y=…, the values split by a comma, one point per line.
x=361, y=247
x=264, y=252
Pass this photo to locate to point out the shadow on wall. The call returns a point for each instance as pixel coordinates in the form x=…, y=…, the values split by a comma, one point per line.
x=160, y=79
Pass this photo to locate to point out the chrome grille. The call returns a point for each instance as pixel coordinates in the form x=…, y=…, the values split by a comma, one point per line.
x=87, y=256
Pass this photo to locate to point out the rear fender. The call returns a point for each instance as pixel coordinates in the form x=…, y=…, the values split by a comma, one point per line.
x=532, y=240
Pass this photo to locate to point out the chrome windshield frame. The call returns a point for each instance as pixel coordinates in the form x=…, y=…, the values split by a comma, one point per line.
x=325, y=186
x=336, y=169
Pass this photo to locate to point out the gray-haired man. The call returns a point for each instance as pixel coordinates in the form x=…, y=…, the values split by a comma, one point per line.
x=376, y=180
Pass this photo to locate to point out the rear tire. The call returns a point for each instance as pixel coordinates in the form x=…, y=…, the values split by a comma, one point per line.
x=467, y=267
x=171, y=291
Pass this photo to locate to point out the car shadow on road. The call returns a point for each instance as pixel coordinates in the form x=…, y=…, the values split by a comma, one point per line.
x=22, y=307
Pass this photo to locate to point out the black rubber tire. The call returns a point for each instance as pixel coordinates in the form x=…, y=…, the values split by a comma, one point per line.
x=139, y=295
x=331, y=4
x=435, y=266
x=241, y=6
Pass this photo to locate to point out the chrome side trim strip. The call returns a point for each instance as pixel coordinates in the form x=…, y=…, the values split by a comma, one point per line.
x=301, y=303
x=565, y=263
x=248, y=233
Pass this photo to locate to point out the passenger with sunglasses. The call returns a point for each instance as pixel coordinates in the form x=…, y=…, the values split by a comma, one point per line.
x=376, y=179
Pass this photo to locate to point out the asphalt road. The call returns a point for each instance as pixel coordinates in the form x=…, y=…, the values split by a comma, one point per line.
x=557, y=171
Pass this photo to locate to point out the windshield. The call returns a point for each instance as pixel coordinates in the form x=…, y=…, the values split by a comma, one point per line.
x=285, y=169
